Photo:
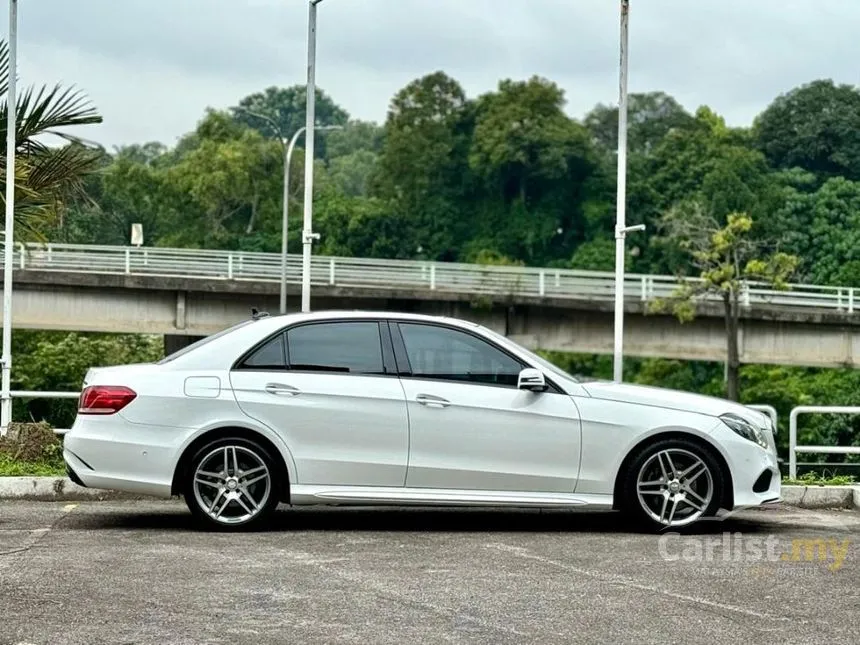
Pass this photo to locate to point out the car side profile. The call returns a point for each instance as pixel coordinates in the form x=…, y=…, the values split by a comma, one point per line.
x=356, y=408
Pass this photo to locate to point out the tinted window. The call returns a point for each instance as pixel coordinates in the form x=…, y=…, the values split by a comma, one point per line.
x=269, y=357
x=442, y=353
x=349, y=347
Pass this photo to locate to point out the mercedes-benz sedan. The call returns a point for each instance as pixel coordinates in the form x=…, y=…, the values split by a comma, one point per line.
x=381, y=408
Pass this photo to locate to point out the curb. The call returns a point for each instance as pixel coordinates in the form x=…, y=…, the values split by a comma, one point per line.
x=821, y=497
x=63, y=489
x=56, y=489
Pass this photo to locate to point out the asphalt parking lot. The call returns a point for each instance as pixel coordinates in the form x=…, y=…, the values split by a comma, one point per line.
x=137, y=572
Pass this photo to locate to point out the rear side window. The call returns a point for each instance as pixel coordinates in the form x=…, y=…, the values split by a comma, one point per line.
x=271, y=356
x=345, y=347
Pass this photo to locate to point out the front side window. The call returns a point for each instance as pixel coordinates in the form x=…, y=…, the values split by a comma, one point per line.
x=345, y=347
x=452, y=355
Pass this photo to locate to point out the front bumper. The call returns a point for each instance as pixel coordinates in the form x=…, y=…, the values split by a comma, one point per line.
x=756, y=477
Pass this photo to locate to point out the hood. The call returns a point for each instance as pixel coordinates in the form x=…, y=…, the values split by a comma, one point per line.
x=672, y=399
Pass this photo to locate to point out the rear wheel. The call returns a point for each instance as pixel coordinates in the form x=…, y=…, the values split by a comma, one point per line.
x=671, y=484
x=231, y=484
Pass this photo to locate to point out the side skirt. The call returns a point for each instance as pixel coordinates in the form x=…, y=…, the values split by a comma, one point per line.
x=372, y=495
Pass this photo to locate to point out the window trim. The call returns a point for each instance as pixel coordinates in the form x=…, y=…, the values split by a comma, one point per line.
x=388, y=361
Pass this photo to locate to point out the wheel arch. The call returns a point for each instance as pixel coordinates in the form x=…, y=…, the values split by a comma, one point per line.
x=225, y=432
x=727, y=494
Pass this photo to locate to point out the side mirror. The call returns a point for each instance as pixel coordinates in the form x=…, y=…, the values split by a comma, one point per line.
x=532, y=380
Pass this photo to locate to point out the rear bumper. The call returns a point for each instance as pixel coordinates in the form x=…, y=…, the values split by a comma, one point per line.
x=112, y=454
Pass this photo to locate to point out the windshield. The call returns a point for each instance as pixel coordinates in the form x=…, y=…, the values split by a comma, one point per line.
x=201, y=342
x=532, y=356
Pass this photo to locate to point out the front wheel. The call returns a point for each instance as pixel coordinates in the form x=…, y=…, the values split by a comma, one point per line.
x=671, y=484
x=231, y=485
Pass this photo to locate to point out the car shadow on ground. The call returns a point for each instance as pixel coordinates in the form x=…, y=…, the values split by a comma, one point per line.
x=424, y=520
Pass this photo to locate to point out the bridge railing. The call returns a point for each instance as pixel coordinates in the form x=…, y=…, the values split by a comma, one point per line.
x=372, y=273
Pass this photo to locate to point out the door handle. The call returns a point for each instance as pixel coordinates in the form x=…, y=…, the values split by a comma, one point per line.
x=279, y=389
x=432, y=401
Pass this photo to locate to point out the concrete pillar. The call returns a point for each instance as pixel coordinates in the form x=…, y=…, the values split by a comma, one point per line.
x=173, y=343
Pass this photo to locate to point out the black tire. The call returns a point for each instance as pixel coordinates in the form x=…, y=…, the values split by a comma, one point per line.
x=245, y=492
x=684, y=452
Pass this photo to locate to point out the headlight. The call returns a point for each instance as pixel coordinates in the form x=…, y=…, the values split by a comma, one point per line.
x=745, y=429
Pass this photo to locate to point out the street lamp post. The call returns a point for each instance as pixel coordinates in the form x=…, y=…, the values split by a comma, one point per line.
x=621, y=228
x=9, y=232
x=308, y=236
x=288, y=158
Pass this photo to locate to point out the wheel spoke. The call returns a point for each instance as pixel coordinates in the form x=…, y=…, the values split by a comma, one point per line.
x=255, y=480
x=235, y=462
x=215, y=502
x=207, y=483
x=226, y=462
x=252, y=471
x=651, y=484
x=207, y=473
x=672, y=513
x=687, y=478
x=690, y=492
x=672, y=470
x=662, y=465
x=699, y=506
x=665, y=504
x=242, y=503
x=251, y=500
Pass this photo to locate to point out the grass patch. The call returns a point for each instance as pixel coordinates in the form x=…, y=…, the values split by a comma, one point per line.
x=31, y=449
x=816, y=479
x=16, y=468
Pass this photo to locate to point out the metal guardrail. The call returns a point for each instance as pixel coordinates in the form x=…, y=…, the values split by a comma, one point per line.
x=793, y=448
x=34, y=394
x=367, y=273
x=770, y=411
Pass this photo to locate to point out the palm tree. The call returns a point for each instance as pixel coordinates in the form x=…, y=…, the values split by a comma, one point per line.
x=47, y=178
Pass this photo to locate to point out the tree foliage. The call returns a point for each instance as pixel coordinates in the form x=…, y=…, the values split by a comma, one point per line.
x=47, y=178
x=726, y=260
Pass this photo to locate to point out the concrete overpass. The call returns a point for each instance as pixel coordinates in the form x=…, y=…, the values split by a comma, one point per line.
x=184, y=294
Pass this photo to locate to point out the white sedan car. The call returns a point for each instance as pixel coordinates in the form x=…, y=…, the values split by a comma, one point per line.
x=381, y=408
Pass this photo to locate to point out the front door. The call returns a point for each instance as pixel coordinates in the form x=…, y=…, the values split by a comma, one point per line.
x=471, y=428
x=333, y=394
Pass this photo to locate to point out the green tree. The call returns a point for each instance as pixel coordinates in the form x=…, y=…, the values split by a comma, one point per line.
x=58, y=361
x=823, y=228
x=815, y=127
x=712, y=164
x=726, y=259
x=651, y=116
x=47, y=178
x=287, y=107
x=226, y=190
x=537, y=169
x=423, y=171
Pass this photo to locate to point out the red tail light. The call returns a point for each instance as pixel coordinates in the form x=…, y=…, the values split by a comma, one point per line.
x=105, y=399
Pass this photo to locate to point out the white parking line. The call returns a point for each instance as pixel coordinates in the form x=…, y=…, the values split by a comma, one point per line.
x=611, y=578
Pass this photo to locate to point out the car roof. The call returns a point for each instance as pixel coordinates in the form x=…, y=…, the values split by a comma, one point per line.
x=336, y=314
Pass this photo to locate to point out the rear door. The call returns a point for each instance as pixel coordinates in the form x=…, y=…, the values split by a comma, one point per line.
x=331, y=390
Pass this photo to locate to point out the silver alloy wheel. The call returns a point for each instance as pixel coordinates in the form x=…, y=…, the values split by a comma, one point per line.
x=232, y=484
x=675, y=487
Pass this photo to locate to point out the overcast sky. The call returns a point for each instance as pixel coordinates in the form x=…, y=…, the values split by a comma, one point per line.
x=153, y=66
